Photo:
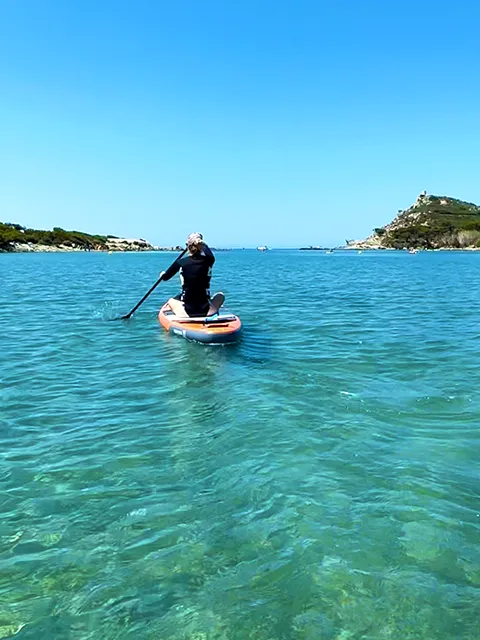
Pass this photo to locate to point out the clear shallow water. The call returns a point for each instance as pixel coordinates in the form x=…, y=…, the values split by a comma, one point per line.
x=318, y=481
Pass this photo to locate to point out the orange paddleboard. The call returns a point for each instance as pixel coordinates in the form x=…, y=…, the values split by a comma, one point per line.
x=218, y=329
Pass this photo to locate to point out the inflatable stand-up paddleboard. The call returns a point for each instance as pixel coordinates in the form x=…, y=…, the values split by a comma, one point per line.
x=218, y=329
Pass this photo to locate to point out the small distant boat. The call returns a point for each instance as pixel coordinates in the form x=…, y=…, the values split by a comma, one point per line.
x=360, y=252
x=329, y=251
x=264, y=248
x=413, y=251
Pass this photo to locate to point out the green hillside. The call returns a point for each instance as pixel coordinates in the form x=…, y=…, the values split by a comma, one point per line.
x=10, y=234
x=433, y=222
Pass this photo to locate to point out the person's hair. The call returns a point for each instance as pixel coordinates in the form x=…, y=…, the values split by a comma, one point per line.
x=195, y=242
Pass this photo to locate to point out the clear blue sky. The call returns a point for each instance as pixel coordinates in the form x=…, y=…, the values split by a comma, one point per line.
x=253, y=121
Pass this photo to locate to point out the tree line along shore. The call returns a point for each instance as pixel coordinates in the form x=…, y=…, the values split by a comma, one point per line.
x=14, y=238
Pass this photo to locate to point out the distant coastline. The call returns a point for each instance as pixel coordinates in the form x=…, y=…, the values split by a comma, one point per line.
x=127, y=246
x=432, y=223
x=316, y=248
x=14, y=238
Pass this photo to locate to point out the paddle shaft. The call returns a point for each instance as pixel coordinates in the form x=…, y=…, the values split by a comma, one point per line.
x=126, y=317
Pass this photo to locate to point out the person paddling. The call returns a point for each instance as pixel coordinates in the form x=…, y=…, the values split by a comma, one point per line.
x=195, y=274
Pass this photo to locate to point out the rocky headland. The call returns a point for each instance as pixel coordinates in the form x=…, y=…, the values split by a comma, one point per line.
x=432, y=222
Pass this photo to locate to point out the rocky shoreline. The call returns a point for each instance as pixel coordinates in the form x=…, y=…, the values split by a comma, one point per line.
x=117, y=245
x=431, y=223
x=15, y=238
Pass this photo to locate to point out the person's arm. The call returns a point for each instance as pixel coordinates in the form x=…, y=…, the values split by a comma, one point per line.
x=171, y=271
x=208, y=254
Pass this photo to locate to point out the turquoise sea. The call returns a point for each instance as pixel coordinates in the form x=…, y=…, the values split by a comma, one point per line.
x=318, y=481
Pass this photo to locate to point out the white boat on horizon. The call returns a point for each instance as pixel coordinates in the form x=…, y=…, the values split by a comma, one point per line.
x=264, y=248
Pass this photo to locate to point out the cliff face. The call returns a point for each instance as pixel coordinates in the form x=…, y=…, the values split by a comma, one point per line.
x=432, y=222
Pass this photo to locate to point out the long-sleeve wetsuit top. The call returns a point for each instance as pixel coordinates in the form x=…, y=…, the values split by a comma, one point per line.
x=195, y=273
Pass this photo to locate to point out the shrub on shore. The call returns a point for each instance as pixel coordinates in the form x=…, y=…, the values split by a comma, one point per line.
x=11, y=233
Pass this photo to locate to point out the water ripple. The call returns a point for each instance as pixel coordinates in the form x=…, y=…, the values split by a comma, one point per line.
x=317, y=480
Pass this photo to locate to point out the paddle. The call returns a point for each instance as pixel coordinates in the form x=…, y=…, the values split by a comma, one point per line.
x=126, y=317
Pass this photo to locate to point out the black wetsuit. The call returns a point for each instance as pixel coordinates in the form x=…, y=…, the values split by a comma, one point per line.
x=196, y=271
